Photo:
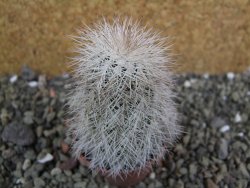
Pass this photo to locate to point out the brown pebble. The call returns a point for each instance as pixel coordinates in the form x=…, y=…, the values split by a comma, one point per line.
x=69, y=164
x=52, y=93
x=64, y=147
x=210, y=184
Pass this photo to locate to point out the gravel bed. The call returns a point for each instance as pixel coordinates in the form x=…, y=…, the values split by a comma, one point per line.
x=213, y=152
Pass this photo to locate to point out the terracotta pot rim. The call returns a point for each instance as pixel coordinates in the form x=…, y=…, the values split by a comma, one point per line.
x=130, y=178
x=148, y=167
x=123, y=179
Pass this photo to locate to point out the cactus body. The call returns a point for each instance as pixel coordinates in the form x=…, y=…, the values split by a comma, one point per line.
x=122, y=104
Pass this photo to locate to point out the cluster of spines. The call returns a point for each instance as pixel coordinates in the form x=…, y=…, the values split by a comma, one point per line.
x=122, y=104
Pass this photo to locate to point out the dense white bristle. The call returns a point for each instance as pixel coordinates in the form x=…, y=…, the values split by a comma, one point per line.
x=122, y=103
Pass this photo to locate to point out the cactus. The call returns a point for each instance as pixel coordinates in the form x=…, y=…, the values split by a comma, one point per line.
x=123, y=112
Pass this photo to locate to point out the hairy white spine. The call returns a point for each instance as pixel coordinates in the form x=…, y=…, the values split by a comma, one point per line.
x=122, y=104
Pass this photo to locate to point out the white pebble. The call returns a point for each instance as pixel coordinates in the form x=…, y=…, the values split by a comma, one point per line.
x=248, y=93
x=13, y=79
x=187, y=84
x=65, y=75
x=48, y=157
x=33, y=84
x=241, y=134
x=230, y=76
x=20, y=181
x=204, y=125
x=152, y=175
x=225, y=128
x=237, y=118
x=206, y=75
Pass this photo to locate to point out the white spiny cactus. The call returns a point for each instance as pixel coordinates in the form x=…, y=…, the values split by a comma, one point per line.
x=122, y=104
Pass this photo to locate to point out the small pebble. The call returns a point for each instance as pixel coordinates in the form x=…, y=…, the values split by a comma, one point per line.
x=39, y=131
x=69, y=164
x=187, y=84
x=244, y=170
x=240, y=134
x=210, y=184
x=67, y=172
x=30, y=154
x=48, y=157
x=13, y=79
x=152, y=175
x=19, y=134
x=82, y=184
x=39, y=183
x=183, y=171
x=42, y=81
x=27, y=73
x=225, y=128
x=33, y=83
x=20, y=181
x=55, y=171
x=8, y=153
x=217, y=122
x=230, y=75
x=65, y=147
x=26, y=164
x=237, y=118
x=222, y=149
x=206, y=76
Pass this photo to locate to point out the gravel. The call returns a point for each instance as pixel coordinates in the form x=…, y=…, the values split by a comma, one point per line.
x=213, y=152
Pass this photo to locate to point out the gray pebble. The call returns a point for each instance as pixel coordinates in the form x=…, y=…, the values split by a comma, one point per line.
x=183, y=171
x=17, y=173
x=179, y=184
x=28, y=184
x=244, y=171
x=67, y=172
x=92, y=183
x=27, y=73
x=81, y=184
x=51, y=116
x=19, y=134
x=171, y=182
x=38, y=182
x=158, y=184
x=49, y=132
x=4, y=116
x=39, y=131
x=222, y=149
x=46, y=175
x=218, y=122
x=141, y=185
x=192, y=169
x=240, y=145
x=84, y=171
x=42, y=82
x=26, y=164
x=235, y=96
x=210, y=184
x=77, y=177
x=30, y=154
x=55, y=171
x=8, y=153
x=28, y=118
